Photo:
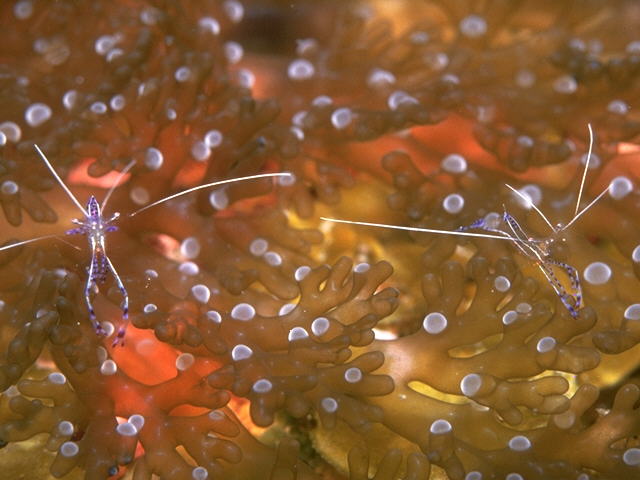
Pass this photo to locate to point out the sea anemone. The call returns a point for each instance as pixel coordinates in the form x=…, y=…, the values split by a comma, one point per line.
x=268, y=341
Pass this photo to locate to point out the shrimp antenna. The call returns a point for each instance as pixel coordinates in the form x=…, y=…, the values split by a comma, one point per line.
x=37, y=239
x=116, y=183
x=425, y=230
x=62, y=184
x=593, y=202
x=529, y=201
x=207, y=185
x=584, y=174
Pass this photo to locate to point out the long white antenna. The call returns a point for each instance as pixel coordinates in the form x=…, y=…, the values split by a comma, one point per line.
x=529, y=201
x=37, y=239
x=124, y=171
x=584, y=174
x=425, y=230
x=593, y=202
x=62, y=184
x=207, y=185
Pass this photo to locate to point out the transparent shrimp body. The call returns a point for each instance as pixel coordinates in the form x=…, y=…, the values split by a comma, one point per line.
x=539, y=251
x=95, y=228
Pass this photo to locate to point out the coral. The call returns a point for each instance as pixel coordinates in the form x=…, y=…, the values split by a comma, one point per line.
x=266, y=343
